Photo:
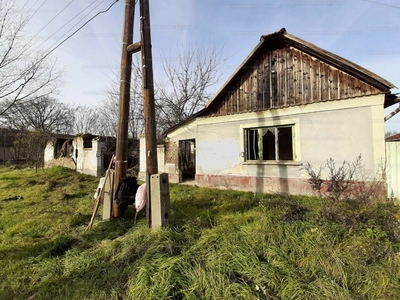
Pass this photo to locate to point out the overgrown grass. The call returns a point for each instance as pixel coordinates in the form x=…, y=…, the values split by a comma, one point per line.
x=218, y=245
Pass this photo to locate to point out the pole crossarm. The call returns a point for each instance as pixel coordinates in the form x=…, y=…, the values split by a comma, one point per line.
x=133, y=48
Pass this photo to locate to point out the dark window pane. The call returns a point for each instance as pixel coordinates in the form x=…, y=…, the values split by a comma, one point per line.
x=268, y=144
x=285, y=143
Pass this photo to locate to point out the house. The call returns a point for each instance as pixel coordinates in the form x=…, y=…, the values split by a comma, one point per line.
x=288, y=103
x=87, y=154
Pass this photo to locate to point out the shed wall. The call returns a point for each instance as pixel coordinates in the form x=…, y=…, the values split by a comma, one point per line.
x=393, y=168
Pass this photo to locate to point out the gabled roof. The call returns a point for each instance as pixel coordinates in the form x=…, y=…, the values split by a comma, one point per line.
x=281, y=39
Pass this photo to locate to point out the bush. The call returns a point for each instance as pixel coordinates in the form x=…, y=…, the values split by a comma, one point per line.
x=347, y=181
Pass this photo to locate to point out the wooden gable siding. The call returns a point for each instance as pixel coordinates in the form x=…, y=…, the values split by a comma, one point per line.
x=287, y=77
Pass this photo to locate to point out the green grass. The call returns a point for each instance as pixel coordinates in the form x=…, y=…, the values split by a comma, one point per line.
x=218, y=245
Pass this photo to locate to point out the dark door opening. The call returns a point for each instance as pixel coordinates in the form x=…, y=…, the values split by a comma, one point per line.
x=187, y=159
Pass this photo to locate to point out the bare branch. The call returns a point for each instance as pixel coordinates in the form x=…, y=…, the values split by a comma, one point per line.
x=190, y=78
x=44, y=114
x=24, y=74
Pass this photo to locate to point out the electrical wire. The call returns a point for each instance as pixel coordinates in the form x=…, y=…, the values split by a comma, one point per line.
x=22, y=8
x=30, y=17
x=31, y=6
x=65, y=7
x=34, y=65
x=72, y=34
x=28, y=44
x=384, y=4
x=68, y=23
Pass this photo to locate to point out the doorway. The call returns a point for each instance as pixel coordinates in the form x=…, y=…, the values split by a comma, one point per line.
x=187, y=159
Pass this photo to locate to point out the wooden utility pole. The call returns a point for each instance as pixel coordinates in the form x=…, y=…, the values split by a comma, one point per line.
x=148, y=99
x=121, y=161
x=148, y=89
x=128, y=48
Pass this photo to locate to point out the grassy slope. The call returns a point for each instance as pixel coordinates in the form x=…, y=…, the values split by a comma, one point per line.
x=219, y=245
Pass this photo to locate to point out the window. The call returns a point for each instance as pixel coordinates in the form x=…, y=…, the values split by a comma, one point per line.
x=269, y=143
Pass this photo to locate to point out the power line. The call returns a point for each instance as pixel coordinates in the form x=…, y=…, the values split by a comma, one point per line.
x=84, y=24
x=384, y=4
x=30, y=17
x=65, y=7
x=27, y=1
x=31, y=6
x=68, y=23
x=26, y=47
x=34, y=65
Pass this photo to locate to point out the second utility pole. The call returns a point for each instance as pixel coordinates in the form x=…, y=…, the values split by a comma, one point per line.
x=148, y=89
x=148, y=99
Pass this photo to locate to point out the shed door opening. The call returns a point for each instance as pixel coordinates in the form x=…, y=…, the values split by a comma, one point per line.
x=187, y=159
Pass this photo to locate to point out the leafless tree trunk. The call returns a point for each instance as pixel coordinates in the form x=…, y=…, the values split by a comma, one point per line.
x=24, y=73
x=189, y=78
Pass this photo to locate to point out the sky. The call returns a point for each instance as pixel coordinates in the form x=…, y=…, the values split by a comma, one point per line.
x=364, y=32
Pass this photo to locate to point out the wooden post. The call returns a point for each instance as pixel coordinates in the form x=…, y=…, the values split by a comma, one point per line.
x=100, y=195
x=148, y=98
x=121, y=162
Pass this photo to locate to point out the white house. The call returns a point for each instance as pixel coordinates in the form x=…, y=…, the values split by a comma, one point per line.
x=288, y=103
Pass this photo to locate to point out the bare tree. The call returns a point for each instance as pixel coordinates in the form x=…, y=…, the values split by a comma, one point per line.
x=24, y=73
x=189, y=78
x=44, y=114
x=86, y=120
x=29, y=146
x=108, y=109
x=108, y=115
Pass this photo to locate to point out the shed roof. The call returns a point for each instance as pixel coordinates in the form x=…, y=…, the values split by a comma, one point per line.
x=393, y=138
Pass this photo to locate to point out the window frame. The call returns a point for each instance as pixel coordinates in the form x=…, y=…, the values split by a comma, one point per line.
x=271, y=125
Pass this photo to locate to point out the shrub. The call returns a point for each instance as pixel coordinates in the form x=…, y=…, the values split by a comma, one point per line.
x=347, y=181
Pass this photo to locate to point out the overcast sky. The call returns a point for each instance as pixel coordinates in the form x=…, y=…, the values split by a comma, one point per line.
x=365, y=32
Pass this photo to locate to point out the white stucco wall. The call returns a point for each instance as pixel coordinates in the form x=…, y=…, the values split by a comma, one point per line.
x=48, y=153
x=142, y=158
x=393, y=169
x=89, y=160
x=341, y=130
